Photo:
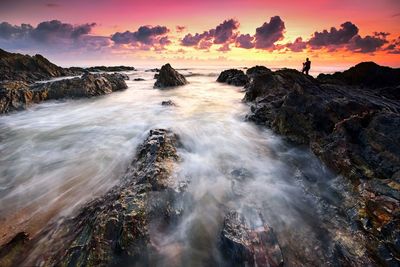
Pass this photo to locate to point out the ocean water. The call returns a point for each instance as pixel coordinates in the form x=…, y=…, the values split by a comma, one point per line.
x=56, y=156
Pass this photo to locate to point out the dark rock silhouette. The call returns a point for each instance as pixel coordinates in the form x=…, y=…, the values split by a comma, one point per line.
x=353, y=129
x=233, y=77
x=18, y=67
x=365, y=74
x=16, y=95
x=168, y=103
x=138, y=79
x=153, y=70
x=113, y=230
x=168, y=77
x=102, y=69
x=257, y=70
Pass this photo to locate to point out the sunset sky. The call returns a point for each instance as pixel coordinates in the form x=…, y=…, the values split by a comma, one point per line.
x=209, y=32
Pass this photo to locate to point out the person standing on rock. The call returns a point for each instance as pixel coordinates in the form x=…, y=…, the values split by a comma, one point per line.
x=306, y=66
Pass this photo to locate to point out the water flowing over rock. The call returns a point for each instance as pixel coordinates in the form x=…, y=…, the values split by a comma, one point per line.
x=168, y=77
x=249, y=245
x=114, y=229
x=353, y=129
x=15, y=95
x=233, y=77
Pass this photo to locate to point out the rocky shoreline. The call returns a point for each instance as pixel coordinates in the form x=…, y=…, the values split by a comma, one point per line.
x=351, y=124
x=18, y=74
x=348, y=119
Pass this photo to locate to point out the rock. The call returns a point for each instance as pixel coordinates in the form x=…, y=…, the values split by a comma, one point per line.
x=18, y=67
x=16, y=95
x=10, y=252
x=153, y=70
x=243, y=244
x=19, y=95
x=168, y=103
x=109, y=68
x=113, y=230
x=257, y=70
x=168, y=77
x=366, y=74
x=233, y=77
x=139, y=79
x=351, y=128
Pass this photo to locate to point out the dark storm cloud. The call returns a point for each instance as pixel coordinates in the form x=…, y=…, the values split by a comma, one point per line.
x=269, y=33
x=51, y=35
x=394, y=46
x=8, y=31
x=223, y=33
x=145, y=37
x=297, y=46
x=334, y=36
x=346, y=37
x=49, y=30
x=245, y=41
x=367, y=44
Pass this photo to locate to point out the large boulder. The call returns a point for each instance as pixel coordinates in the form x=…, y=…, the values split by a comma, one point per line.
x=168, y=77
x=19, y=95
x=233, y=77
x=113, y=230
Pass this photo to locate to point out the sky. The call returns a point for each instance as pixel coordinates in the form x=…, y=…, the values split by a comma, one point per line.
x=275, y=33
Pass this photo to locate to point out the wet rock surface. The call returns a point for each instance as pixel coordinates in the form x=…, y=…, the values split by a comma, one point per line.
x=18, y=67
x=243, y=244
x=16, y=95
x=112, y=230
x=353, y=129
x=233, y=77
x=169, y=77
x=168, y=103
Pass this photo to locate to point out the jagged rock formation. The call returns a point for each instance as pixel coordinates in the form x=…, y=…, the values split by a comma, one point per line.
x=114, y=229
x=233, y=77
x=168, y=77
x=18, y=67
x=16, y=95
x=353, y=129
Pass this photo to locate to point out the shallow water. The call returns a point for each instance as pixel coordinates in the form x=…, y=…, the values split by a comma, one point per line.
x=58, y=155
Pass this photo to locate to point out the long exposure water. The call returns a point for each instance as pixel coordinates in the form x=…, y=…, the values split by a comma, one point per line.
x=58, y=155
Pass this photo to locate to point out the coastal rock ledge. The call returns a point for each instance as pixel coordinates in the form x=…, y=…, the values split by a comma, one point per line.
x=113, y=230
x=17, y=95
x=352, y=125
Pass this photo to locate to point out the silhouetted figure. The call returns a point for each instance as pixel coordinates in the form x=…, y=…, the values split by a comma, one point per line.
x=306, y=66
